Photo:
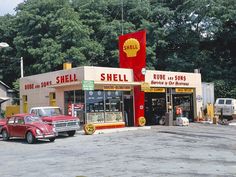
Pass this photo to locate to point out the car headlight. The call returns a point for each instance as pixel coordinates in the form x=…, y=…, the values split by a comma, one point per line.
x=38, y=132
x=54, y=129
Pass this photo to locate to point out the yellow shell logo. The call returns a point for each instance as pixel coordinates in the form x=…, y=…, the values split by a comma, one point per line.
x=131, y=47
x=89, y=129
x=141, y=121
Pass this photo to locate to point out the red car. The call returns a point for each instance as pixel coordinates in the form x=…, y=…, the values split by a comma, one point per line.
x=53, y=116
x=27, y=126
x=2, y=123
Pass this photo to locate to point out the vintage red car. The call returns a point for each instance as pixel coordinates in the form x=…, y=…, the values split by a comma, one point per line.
x=2, y=123
x=27, y=126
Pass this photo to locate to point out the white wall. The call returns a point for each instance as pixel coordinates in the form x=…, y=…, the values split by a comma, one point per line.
x=3, y=93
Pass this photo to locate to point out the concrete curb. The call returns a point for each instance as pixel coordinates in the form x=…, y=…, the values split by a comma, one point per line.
x=115, y=130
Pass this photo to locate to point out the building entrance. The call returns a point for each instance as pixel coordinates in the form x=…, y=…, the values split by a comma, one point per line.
x=128, y=110
x=155, y=108
x=185, y=102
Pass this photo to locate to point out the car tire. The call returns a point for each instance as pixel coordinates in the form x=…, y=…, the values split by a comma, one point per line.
x=71, y=133
x=5, y=135
x=52, y=139
x=30, y=138
x=162, y=120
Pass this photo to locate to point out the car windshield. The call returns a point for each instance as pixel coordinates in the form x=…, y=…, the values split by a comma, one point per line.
x=30, y=119
x=50, y=112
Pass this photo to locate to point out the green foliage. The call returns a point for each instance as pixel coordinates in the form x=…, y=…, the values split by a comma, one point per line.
x=181, y=35
x=224, y=89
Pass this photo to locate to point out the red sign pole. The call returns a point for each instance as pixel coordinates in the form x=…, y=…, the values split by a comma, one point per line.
x=132, y=53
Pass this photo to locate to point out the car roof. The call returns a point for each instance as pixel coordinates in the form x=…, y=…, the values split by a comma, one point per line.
x=226, y=99
x=21, y=115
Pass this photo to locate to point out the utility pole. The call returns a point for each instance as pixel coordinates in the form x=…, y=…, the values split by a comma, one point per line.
x=21, y=67
x=122, y=16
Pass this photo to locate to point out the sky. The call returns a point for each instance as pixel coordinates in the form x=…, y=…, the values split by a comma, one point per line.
x=7, y=6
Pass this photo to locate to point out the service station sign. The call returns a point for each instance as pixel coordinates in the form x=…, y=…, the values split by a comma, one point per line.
x=171, y=79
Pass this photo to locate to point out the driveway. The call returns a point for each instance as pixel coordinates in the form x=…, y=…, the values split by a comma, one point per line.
x=196, y=150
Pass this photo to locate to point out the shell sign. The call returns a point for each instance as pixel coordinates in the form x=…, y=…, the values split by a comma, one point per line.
x=131, y=47
x=132, y=54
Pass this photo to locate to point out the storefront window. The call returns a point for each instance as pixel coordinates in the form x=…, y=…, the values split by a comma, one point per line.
x=101, y=106
x=95, y=106
x=75, y=97
x=97, y=112
x=113, y=101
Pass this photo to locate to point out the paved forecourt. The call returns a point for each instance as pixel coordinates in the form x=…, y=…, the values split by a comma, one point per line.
x=196, y=150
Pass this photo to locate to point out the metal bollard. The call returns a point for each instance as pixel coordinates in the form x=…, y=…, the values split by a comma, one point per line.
x=169, y=118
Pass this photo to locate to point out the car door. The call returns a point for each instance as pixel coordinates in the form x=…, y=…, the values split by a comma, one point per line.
x=228, y=109
x=10, y=125
x=19, y=127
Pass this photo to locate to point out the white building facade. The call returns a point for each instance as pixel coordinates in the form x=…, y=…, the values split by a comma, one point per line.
x=104, y=96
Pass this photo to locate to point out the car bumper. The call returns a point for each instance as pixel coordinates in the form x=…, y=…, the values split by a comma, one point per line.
x=66, y=129
x=45, y=136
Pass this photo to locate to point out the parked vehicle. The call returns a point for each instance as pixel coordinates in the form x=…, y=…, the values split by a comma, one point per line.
x=27, y=126
x=226, y=107
x=53, y=116
x=2, y=122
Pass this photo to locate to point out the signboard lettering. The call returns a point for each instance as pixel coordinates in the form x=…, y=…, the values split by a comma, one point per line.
x=154, y=89
x=184, y=90
x=113, y=77
x=116, y=87
x=159, y=79
x=66, y=78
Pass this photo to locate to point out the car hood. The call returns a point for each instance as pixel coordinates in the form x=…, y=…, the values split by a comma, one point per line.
x=42, y=126
x=58, y=118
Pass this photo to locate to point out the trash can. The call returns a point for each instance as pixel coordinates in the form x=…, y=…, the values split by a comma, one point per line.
x=169, y=118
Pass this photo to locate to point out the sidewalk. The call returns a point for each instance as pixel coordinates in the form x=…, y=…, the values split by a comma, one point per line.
x=115, y=130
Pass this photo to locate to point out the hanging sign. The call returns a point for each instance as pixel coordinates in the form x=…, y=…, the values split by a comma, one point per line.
x=153, y=89
x=116, y=87
x=145, y=86
x=184, y=90
x=87, y=85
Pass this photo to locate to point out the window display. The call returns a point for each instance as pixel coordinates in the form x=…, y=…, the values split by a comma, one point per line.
x=98, y=112
x=95, y=117
x=113, y=101
x=75, y=97
x=95, y=106
x=98, y=106
x=113, y=117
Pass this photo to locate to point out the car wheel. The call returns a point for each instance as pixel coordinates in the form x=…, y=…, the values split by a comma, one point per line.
x=52, y=139
x=5, y=135
x=30, y=138
x=162, y=120
x=71, y=133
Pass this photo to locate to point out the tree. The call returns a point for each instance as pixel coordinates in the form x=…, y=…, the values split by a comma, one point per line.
x=182, y=35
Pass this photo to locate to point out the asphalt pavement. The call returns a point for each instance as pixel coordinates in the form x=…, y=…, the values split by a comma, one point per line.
x=197, y=150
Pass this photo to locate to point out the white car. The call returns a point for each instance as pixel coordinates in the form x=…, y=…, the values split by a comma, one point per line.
x=226, y=107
